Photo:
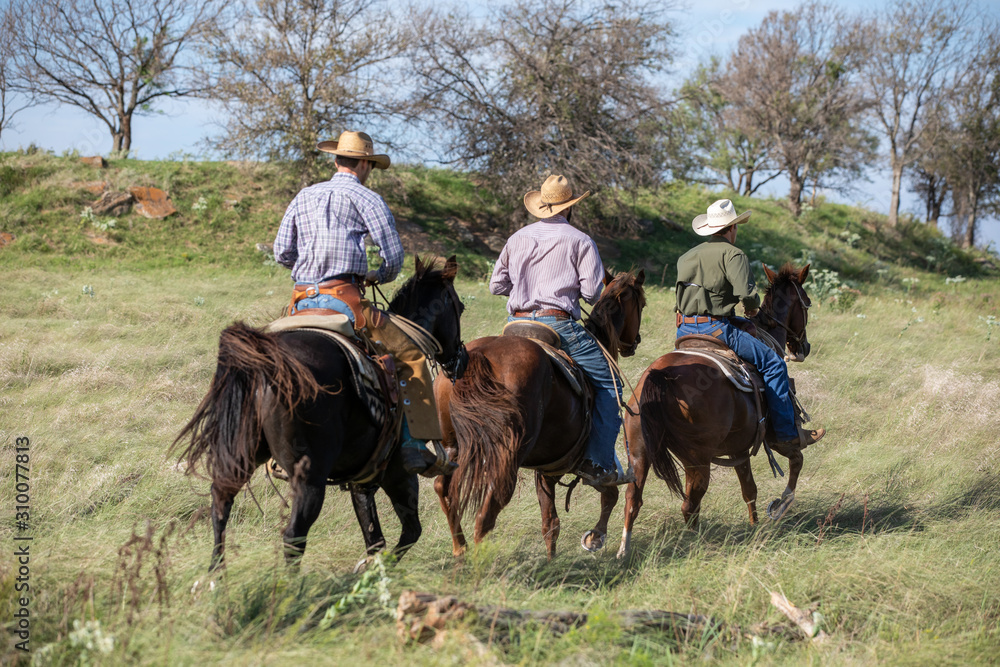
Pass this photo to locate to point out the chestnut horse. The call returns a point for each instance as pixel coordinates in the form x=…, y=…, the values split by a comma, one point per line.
x=289, y=395
x=687, y=409
x=513, y=409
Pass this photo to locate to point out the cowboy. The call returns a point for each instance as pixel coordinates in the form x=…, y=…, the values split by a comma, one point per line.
x=545, y=269
x=321, y=239
x=711, y=279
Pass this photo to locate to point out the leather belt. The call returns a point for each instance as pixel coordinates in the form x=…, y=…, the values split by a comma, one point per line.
x=698, y=319
x=549, y=312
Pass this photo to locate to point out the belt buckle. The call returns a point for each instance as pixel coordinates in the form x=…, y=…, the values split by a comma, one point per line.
x=312, y=290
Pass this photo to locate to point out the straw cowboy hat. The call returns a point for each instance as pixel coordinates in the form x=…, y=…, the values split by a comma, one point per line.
x=721, y=214
x=357, y=145
x=555, y=197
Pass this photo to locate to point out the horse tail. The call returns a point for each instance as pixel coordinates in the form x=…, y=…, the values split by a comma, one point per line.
x=225, y=430
x=489, y=430
x=656, y=429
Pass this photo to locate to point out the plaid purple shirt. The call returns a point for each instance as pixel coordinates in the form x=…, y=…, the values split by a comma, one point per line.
x=548, y=264
x=323, y=232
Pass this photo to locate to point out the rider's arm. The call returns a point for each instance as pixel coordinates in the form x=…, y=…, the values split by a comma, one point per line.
x=741, y=278
x=500, y=283
x=382, y=228
x=591, y=272
x=285, y=248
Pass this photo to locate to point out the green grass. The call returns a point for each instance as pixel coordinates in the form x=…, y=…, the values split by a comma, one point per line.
x=906, y=571
x=106, y=350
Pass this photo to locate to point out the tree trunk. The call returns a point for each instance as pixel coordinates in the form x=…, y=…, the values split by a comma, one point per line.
x=935, y=200
x=795, y=193
x=126, y=146
x=116, y=142
x=897, y=180
x=969, y=237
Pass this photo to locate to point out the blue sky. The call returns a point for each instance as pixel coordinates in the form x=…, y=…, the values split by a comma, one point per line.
x=704, y=28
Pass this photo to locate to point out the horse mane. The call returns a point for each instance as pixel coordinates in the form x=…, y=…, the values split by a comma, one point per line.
x=405, y=294
x=788, y=274
x=601, y=322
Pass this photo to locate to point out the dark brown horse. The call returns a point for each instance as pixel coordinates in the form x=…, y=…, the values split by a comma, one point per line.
x=289, y=395
x=513, y=409
x=687, y=409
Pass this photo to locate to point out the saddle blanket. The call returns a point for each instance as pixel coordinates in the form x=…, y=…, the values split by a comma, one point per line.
x=364, y=371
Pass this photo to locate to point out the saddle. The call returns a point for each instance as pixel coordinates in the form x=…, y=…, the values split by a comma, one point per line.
x=548, y=339
x=373, y=378
x=742, y=375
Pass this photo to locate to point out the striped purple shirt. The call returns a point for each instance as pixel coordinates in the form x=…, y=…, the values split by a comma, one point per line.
x=548, y=264
x=323, y=232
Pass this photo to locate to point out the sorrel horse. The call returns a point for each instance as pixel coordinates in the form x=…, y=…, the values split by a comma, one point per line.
x=687, y=409
x=289, y=395
x=513, y=410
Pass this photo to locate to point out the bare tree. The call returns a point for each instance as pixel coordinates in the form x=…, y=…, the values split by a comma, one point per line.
x=917, y=48
x=554, y=86
x=113, y=59
x=10, y=102
x=293, y=72
x=722, y=152
x=975, y=161
x=792, y=80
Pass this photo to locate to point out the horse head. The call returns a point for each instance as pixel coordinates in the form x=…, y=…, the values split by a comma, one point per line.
x=429, y=299
x=617, y=315
x=786, y=304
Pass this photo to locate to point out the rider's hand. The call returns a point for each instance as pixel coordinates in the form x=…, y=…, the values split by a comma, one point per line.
x=371, y=277
x=752, y=313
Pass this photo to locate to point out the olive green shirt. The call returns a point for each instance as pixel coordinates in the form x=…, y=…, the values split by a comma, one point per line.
x=713, y=277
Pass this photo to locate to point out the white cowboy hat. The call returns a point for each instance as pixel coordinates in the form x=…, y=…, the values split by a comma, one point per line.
x=555, y=197
x=357, y=145
x=721, y=214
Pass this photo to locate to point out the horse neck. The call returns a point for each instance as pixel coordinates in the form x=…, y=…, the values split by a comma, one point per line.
x=777, y=332
x=602, y=325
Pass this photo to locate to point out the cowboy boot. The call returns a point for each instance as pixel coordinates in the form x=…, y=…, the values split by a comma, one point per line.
x=429, y=459
x=805, y=438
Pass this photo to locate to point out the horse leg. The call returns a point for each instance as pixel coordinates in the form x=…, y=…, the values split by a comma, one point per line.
x=306, y=505
x=222, y=505
x=696, y=484
x=545, y=488
x=633, y=496
x=593, y=540
x=776, y=508
x=442, y=484
x=363, y=499
x=404, y=492
x=749, y=488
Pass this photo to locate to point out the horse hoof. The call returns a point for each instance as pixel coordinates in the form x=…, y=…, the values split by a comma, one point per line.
x=592, y=541
x=776, y=508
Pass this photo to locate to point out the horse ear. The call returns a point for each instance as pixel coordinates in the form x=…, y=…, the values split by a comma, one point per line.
x=803, y=274
x=607, y=277
x=641, y=278
x=771, y=275
x=418, y=266
x=450, y=268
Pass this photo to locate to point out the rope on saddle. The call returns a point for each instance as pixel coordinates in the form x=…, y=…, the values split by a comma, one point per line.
x=569, y=489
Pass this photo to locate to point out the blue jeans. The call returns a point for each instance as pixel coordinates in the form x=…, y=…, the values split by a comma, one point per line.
x=607, y=420
x=325, y=301
x=771, y=366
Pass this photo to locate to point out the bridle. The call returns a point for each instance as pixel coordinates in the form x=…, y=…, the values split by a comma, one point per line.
x=794, y=337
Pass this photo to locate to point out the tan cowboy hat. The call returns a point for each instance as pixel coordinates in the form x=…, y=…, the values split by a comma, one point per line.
x=721, y=214
x=357, y=145
x=555, y=197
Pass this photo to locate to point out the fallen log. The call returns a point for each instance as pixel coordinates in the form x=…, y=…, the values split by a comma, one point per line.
x=807, y=620
x=421, y=616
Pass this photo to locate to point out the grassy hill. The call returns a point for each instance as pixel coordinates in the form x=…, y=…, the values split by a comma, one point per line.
x=108, y=339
